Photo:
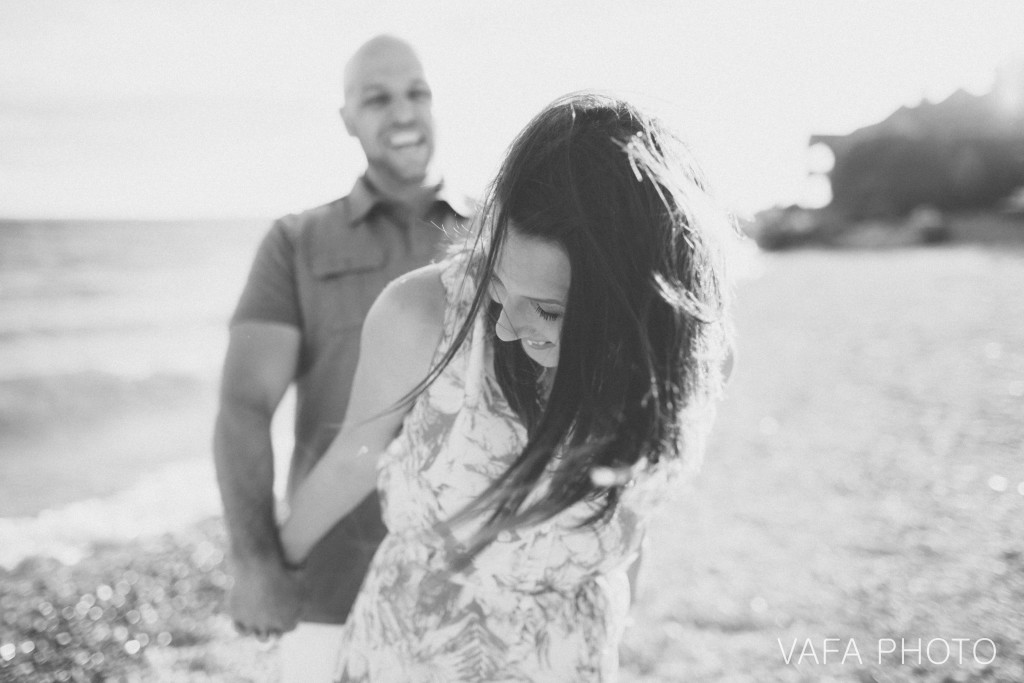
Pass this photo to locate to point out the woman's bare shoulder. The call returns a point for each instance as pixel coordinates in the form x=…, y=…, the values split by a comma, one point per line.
x=408, y=316
x=416, y=298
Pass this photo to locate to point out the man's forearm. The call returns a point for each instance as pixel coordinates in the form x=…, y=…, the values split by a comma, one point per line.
x=244, y=459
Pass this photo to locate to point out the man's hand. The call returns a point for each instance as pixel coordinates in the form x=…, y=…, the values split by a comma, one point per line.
x=266, y=599
x=260, y=364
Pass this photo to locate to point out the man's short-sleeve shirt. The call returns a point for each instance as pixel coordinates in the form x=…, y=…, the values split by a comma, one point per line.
x=319, y=271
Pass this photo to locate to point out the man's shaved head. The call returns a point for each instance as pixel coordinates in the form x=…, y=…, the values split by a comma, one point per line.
x=388, y=108
x=381, y=53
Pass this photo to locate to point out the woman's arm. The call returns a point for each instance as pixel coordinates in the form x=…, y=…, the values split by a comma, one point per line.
x=399, y=338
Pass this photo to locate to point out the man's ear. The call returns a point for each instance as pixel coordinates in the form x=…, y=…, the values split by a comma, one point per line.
x=346, y=118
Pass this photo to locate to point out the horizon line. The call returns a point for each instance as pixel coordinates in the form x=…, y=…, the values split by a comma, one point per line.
x=137, y=219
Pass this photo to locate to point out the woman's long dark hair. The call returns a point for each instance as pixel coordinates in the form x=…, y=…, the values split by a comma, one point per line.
x=645, y=331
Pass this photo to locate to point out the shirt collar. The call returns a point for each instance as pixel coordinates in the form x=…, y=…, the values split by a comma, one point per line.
x=364, y=198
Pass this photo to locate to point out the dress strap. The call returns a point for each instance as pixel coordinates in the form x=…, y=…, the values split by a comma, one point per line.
x=477, y=357
x=460, y=276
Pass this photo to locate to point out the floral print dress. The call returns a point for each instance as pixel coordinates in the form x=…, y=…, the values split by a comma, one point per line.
x=545, y=603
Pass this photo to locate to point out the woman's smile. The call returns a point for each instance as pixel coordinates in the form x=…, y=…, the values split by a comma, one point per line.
x=531, y=283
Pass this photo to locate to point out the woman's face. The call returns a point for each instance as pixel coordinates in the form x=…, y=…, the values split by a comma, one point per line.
x=531, y=283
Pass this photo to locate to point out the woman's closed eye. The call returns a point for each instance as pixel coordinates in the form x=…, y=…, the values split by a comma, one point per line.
x=496, y=291
x=547, y=315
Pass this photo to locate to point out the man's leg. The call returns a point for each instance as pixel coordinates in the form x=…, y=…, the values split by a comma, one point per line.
x=310, y=653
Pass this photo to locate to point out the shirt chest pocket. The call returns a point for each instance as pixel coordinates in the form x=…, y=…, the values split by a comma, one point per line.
x=344, y=286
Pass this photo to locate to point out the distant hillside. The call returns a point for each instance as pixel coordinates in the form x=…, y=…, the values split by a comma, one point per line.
x=965, y=152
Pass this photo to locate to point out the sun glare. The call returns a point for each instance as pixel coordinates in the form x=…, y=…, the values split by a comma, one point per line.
x=820, y=158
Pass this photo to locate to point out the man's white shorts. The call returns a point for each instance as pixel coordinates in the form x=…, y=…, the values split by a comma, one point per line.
x=309, y=653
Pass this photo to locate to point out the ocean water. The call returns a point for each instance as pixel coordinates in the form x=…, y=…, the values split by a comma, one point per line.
x=111, y=339
x=102, y=295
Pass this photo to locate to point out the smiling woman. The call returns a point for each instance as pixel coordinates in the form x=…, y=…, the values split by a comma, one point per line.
x=523, y=407
x=530, y=285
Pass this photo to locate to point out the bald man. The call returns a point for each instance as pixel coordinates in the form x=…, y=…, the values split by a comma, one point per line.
x=298, y=321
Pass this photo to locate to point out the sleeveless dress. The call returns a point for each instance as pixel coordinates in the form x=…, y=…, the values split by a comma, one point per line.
x=545, y=603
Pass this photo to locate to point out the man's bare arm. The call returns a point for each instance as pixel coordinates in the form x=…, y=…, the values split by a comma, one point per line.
x=260, y=364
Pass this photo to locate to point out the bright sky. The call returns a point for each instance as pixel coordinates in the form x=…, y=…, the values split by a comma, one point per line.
x=192, y=108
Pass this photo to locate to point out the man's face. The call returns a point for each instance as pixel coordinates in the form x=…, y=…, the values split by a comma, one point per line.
x=387, y=107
